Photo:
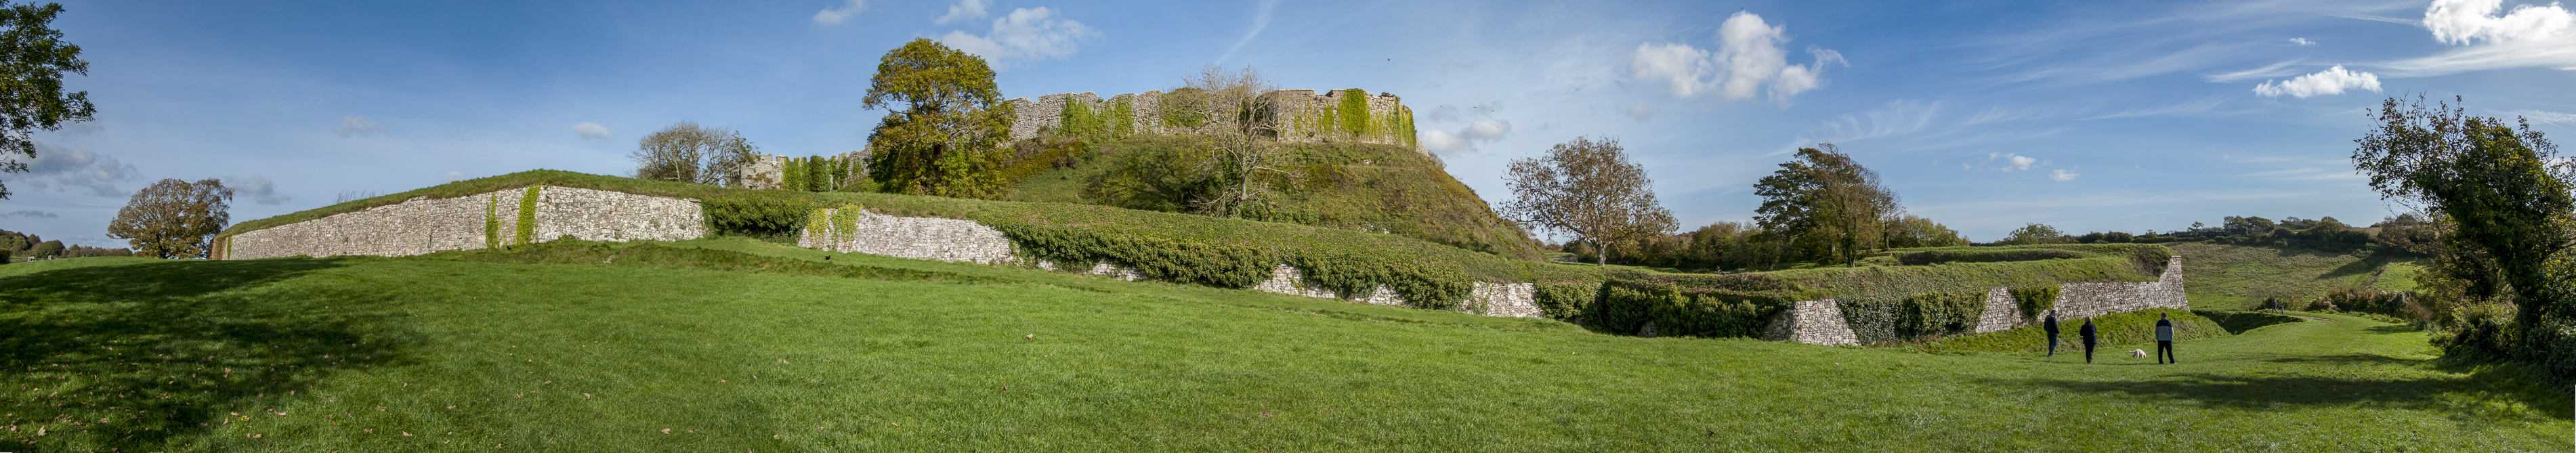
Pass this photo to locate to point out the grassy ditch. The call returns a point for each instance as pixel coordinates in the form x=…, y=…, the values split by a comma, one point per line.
x=377, y=354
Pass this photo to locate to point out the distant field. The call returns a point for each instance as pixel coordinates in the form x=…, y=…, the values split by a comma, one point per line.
x=453, y=353
x=2232, y=277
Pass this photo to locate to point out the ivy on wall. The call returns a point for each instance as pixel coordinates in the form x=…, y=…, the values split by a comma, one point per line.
x=2034, y=300
x=492, y=223
x=1122, y=117
x=1354, y=112
x=527, y=217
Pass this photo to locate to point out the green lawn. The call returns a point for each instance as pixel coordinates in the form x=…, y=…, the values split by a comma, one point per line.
x=445, y=353
x=2233, y=277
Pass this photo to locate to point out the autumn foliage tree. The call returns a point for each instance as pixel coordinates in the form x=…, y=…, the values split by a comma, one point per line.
x=946, y=124
x=174, y=218
x=1587, y=188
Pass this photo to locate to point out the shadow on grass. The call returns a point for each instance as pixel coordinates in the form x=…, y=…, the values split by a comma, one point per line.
x=2350, y=359
x=128, y=357
x=2439, y=394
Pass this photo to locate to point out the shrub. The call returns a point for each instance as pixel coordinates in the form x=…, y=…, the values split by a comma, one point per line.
x=1940, y=314
x=1625, y=306
x=2034, y=300
x=1564, y=301
x=767, y=215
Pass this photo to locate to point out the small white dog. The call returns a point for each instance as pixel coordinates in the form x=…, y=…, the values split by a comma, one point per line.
x=2138, y=353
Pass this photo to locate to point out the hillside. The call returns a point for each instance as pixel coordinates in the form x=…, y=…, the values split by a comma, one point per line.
x=1366, y=187
x=2235, y=277
x=655, y=353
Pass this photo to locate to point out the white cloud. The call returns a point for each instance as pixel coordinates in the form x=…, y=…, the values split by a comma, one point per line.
x=1442, y=142
x=454, y=176
x=65, y=168
x=2467, y=21
x=1443, y=113
x=2526, y=36
x=1025, y=34
x=2302, y=41
x=964, y=10
x=32, y=214
x=834, y=15
x=1748, y=59
x=2330, y=81
x=1465, y=139
x=2012, y=161
x=259, y=189
x=592, y=130
x=1643, y=111
x=350, y=125
x=2062, y=175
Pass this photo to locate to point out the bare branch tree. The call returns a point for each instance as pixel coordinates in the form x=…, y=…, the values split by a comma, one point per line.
x=1238, y=107
x=687, y=152
x=1587, y=188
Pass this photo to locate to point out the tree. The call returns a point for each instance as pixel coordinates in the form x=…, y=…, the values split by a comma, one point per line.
x=174, y=219
x=1910, y=231
x=1237, y=104
x=1587, y=188
x=2500, y=195
x=687, y=152
x=1827, y=203
x=2035, y=234
x=33, y=58
x=947, y=123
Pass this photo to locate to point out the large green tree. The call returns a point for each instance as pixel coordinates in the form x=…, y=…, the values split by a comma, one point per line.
x=2503, y=191
x=1588, y=188
x=1828, y=204
x=174, y=218
x=33, y=58
x=946, y=124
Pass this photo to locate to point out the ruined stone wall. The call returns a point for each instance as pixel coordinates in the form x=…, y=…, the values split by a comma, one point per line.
x=424, y=225
x=969, y=241
x=1811, y=324
x=1300, y=116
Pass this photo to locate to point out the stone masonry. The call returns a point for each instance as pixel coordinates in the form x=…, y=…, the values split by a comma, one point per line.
x=966, y=240
x=1821, y=322
x=424, y=225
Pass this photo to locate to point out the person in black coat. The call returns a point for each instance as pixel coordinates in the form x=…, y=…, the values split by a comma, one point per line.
x=2164, y=340
x=2049, y=324
x=2089, y=339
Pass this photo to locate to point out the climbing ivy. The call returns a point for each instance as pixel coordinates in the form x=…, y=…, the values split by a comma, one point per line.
x=1122, y=117
x=527, y=217
x=1354, y=112
x=2034, y=300
x=492, y=223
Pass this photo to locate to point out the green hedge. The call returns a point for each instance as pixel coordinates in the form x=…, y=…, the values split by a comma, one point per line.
x=1239, y=266
x=1940, y=315
x=1625, y=306
x=765, y=214
x=2034, y=300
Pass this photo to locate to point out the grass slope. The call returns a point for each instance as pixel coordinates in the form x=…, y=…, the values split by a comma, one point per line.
x=450, y=352
x=1336, y=185
x=2235, y=277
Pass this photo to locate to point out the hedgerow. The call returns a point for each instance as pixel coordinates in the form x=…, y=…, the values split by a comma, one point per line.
x=1939, y=314
x=2034, y=300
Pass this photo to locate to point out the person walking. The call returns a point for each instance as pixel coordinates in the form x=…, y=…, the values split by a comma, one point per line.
x=2049, y=324
x=2164, y=340
x=2089, y=339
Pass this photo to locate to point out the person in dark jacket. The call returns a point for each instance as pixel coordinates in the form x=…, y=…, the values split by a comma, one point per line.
x=2089, y=339
x=2164, y=340
x=2049, y=324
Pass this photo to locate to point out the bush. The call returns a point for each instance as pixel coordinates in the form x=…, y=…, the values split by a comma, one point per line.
x=773, y=216
x=1625, y=306
x=1564, y=301
x=1940, y=314
x=2034, y=301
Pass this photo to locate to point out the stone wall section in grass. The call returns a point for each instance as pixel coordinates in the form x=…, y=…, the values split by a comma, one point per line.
x=1821, y=322
x=425, y=225
x=1818, y=322
x=968, y=241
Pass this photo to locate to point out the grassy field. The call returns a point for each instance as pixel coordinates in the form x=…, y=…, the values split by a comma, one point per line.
x=456, y=352
x=2234, y=277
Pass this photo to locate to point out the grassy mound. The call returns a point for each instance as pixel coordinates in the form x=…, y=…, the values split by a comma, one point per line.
x=1350, y=186
x=2236, y=277
x=451, y=353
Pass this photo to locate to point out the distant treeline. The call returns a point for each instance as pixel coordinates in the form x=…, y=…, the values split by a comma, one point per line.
x=2400, y=234
x=21, y=246
x=1737, y=245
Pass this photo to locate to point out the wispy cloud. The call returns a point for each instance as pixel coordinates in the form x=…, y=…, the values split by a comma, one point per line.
x=30, y=213
x=964, y=10
x=834, y=15
x=350, y=125
x=1260, y=21
x=1896, y=117
x=2302, y=41
x=2011, y=161
x=1025, y=34
x=1748, y=60
x=2333, y=80
x=64, y=168
x=259, y=189
x=2203, y=104
x=2304, y=174
x=2061, y=175
x=2273, y=70
x=592, y=130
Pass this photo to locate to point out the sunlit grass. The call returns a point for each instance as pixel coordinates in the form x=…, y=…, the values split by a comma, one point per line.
x=434, y=353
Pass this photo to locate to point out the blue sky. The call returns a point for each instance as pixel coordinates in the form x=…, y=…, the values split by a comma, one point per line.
x=1983, y=115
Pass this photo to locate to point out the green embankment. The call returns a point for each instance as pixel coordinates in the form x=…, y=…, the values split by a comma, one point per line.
x=657, y=350
x=1349, y=186
x=2235, y=277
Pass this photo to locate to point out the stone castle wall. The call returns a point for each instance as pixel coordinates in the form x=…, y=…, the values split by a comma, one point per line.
x=1822, y=322
x=424, y=225
x=969, y=241
x=1300, y=116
